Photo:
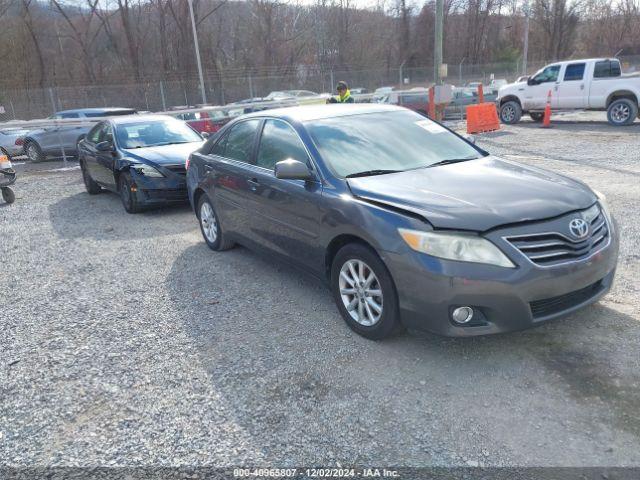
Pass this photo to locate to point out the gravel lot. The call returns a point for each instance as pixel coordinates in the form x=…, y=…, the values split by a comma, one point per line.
x=125, y=341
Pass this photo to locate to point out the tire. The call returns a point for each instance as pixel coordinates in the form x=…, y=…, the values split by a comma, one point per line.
x=8, y=195
x=78, y=146
x=536, y=116
x=510, y=112
x=622, y=112
x=89, y=183
x=370, y=322
x=210, y=226
x=34, y=152
x=129, y=201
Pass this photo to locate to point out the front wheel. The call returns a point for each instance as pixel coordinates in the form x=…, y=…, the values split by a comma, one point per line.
x=510, y=112
x=8, y=195
x=34, y=152
x=89, y=183
x=129, y=200
x=364, y=292
x=622, y=112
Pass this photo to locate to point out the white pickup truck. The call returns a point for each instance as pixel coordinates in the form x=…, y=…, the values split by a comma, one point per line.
x=592, y=84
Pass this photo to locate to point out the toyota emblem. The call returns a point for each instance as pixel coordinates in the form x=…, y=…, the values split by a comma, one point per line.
x=578, y=228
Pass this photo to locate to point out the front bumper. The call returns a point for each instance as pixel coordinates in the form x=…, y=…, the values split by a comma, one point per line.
x=155, y=191
x=505, y=299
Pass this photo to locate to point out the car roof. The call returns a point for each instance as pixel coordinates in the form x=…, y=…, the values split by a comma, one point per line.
x=305, y=113
x=96, y=110
x=119, y=120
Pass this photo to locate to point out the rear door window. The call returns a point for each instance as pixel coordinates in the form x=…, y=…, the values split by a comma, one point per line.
x=574, y=71
x=606, y=69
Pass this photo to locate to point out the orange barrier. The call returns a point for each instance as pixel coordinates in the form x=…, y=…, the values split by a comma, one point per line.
x=482, y=118
x=546, y=120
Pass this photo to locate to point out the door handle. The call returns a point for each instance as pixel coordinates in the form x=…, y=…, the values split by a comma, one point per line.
x=582, y=87
x=253, y=183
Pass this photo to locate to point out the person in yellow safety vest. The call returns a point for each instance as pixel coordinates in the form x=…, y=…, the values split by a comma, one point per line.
x=344, y=95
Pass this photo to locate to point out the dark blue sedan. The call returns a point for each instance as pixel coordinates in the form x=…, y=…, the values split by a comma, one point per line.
x=410, y=224
x=140, y=157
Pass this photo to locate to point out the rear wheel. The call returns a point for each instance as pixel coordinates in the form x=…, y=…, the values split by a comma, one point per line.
x=364, y=292
x=536, y=116
x=622, y=111
x=510, y=112
x=210, y=226
x=129, y=200
x=8, y=195
x=34, y=152
x=89, y=184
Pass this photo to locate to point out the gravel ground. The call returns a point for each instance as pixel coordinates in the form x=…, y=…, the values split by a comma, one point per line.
x=125, y=341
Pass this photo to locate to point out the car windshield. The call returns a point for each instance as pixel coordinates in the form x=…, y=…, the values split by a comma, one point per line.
x=385, y=141
x=152, y=133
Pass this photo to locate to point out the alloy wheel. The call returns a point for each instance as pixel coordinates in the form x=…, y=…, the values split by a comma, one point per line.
x=125, y=193
x=361, y=292
x=620, y=113
x=209, y=222
x=32, y=152
x=508, y=114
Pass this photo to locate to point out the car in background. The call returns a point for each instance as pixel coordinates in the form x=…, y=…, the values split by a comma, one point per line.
x=12, y=140
x=358, y=91
x=52, y=139
x=207, y=122
x=290, y=93
x=416, y=99
x=589, y=84
x=409, y=223
x=142, y=158
x=380, y=93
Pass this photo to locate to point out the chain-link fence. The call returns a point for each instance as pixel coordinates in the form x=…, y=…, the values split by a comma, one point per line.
x=221, y=88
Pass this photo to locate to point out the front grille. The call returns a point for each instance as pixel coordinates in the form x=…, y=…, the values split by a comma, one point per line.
x=552, y=248
x=178, y=169
x=167, y=195
x=553, y=305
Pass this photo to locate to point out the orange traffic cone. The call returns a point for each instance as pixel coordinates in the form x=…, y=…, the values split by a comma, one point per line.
x=546, y=120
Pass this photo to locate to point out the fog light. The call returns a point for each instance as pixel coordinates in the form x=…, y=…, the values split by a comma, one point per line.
x=462, y=314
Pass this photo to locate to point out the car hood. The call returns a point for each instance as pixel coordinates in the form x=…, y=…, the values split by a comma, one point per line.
x=477, y=194
x=164, y=154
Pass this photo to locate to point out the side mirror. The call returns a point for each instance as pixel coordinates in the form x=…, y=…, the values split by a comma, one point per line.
x=531, y=81
x=291, y=169
x=205, y=134
x=104, y=146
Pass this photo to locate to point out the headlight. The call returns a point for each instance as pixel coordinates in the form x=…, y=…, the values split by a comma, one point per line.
x=147, y=171
x=464, y=248
x=4, y=162
x=602, y=200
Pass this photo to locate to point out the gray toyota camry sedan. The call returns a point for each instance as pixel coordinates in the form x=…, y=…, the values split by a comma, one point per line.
x=409, y=223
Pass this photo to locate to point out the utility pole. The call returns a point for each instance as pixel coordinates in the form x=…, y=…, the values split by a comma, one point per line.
x=197, y=47
x=437, y=54
x=525, y=50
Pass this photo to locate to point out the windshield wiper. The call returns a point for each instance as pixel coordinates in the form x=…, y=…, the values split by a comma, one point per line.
x=451, y=160
x=369, y=173
x=167, y=143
